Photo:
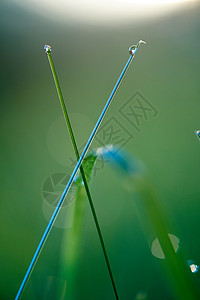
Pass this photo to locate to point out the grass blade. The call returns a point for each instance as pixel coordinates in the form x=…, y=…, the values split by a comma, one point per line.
x=177, y=268
x=67, y=120
x=60, y=202
x=72, y=240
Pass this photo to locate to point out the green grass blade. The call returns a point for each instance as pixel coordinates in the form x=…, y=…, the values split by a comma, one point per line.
x=67, y=120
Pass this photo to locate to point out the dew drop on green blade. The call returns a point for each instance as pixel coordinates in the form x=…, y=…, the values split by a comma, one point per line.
x=198, y=133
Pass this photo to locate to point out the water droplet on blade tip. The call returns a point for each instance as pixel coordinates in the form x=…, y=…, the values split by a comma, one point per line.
x=198, y=133
x=47, y=49
x=133, y=48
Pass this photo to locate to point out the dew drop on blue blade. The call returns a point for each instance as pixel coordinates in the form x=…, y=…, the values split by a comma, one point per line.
x=133, y=48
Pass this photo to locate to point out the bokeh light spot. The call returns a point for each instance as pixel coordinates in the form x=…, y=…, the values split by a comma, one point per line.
x=156, y=249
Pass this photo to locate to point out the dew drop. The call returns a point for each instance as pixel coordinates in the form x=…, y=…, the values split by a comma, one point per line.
x=133, y=48
x=193, y=266
x=142, y=295
x=198, y=133
x=156, y=249
x=47, y=49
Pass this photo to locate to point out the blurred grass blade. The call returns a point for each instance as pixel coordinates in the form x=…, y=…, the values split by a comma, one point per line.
x=136, y=180
x=72, y=239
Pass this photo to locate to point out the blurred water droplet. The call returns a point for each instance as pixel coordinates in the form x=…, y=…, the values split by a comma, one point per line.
x=193, y=266
x=142, y=295
x=47, y=49
x=198, y=133
x=133, y=49
x=156, y=249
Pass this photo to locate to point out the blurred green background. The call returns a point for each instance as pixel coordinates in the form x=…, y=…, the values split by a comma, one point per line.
x=35, y=144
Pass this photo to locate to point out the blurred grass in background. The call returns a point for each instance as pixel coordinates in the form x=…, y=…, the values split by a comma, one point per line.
x=88, y=60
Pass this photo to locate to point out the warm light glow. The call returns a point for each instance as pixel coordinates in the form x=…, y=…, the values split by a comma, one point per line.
x=104, y=11
x=157, y=2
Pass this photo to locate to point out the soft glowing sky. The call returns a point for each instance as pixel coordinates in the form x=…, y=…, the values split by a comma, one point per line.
x=104, y=11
